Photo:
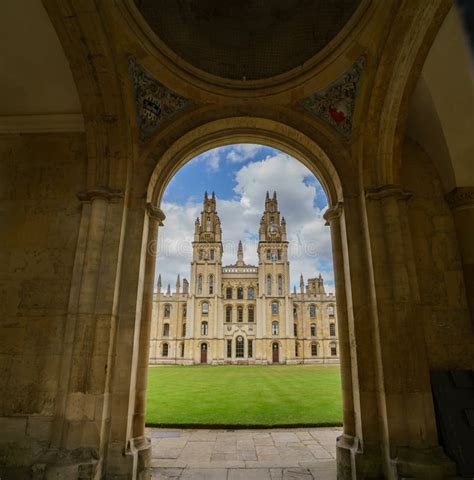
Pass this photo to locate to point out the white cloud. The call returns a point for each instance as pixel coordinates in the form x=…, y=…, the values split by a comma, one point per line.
x=243, y=152
x=212, y=159
x=310, y=245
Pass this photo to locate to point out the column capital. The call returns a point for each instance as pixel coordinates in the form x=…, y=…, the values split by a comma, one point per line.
x=109, y=194
x=386, y=191
x=333, y=212
x=460, y=198
x=155, y=213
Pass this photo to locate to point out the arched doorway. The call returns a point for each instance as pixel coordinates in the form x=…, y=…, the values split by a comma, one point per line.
x=275, y=352
x=203, y=353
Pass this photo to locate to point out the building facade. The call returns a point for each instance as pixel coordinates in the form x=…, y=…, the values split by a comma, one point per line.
x=240, y=313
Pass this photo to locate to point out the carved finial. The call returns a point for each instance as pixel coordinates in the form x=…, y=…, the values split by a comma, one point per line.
x=213, y=196
x=301, y=284
x=240, y=254
x=205, y=196
x=268, y=196
x=274, y=195
x=168, y=290
x=158, y=283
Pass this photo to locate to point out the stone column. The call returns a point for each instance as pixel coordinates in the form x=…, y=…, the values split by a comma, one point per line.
x=333, y=218
x=461, y=202
x=155, y=219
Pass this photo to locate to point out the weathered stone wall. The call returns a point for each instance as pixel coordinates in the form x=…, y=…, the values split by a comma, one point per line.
x=40, y=175
x=448, y=332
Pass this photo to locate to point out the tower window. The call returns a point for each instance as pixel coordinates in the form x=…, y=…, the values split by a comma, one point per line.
x=211, y=284
x=166, y=330
x=167, y=311
x=208, y=224
x=204, y=328
x=295, y=329
x=228, y=292
x=251, y=313
x=279, y=254
x=269, y=284
x=183, y=330
x=211, y=254
x=295, y=312
x=201, y=254
x=333, y=347
x=240, y=314
x=164, y=350
x=199, y=285
x=269, y=254
x=332, y=329
x=185, y=311
x=280, y=285
x=275, y=308
x=239, y=347
x=250, y=293
x=275, y=328
x=312, y=311
x=205, y=308
x=331, y=311
x=240, y=293
x=313, y=329
x=314, y=350
x=228, y=313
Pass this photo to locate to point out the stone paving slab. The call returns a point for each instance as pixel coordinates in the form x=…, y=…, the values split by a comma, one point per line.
x=273, y=454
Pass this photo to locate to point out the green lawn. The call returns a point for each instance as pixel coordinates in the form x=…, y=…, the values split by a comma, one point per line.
x=244, y=395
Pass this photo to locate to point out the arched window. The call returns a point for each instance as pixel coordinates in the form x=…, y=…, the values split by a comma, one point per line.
x=314, y=350
x=228, y=292
x=205, y=308
x=167, y=311
x=251, y=313
x=313, y=329
x=240, y=314
x=199, y=285
x=229, y=348
x=280, y=285
x=204, y=328
x=239, y=347
x=274, y=308
x=249, y=348
x=295, y=329
x=211, y=284
x=185, y=311
x=275, y=328
x=208, y=224
x=211, y=254
x=182, y=349
x=164, y=350
x=333, y=347
x=228, y=313
x=201, y=254
x=240, y=293
x=250, y=293
x=269, y=284
x=183, y=330
x=279, y=254
x=312, y=311
x=166, y=329
x=332, y=329
x=268, y=254
x=295, y=312
x=297, y=348
x=331, y=311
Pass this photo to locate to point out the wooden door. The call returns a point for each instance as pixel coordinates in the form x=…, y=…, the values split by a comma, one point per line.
x=204, y=353
x=276, y=353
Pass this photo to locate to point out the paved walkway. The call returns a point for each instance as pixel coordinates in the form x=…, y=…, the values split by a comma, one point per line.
x=276, y=454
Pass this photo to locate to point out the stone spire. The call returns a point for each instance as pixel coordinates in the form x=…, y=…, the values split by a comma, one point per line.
x=301, y=284
x=158, y=283
x=168, y=290
x=240, y=255
x=294, y=289
x=178, y=284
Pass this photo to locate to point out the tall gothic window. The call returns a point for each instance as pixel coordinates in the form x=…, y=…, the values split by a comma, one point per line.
x=199, y=285
x=312, y=311
x=164, y=350
x=251, y=313
x=240, y=314
x=228, y=292
x=296, y=349
x=249, y=348
x=211, y=254
x=185, y=311
x=183, y=330
x=167, y=311
x=333, y=348
x=211, y=284
x=229, y=348
x=205, y=308
x=295, y=329
x=275, y=328
x=201, y=254
x=280, y=285
x=314, y=350
x=250, y=293
x=268, y=254
x=295, y=312
x=228, y=313
x=274, y=308
x=332, y=329
x=166, y=330
x=240, y=293
x=208, y=224
x=239, y=347
x=279, y=254
x=204, y=328
x=269, y=284
x=331, y=311
x=182, y=349
x=313, y=329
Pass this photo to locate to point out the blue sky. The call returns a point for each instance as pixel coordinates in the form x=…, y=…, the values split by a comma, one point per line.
x=240, y=175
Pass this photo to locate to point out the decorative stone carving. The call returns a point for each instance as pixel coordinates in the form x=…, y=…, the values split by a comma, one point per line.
x=335, y=104
x=154, y=103
x=155, y=213
x=460, y=197
x=333, y=212
x=385, y=191
x=109, y=194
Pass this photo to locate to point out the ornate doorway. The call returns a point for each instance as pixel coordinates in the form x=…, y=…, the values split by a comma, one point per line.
x=204, y=353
